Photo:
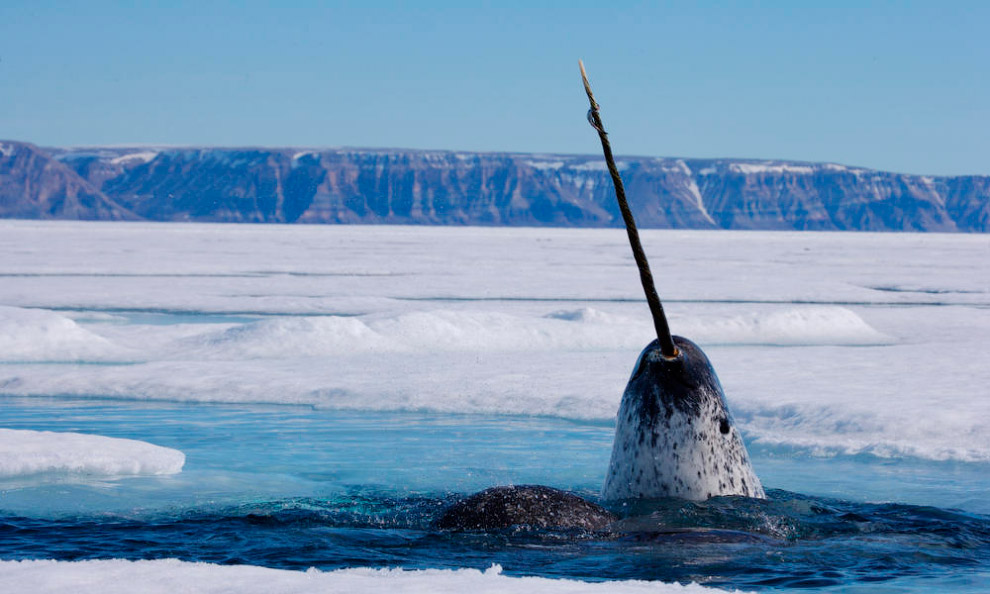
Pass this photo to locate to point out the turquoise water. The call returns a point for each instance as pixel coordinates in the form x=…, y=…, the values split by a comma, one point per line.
x=295, y=487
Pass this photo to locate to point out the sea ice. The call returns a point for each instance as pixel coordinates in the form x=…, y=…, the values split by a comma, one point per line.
x=26, y=453
x=827, y=342
x=39, y=335
x=167, y=576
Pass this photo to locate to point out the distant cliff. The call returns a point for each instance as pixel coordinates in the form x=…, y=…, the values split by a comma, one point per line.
x=264, y=185
x=33, y=185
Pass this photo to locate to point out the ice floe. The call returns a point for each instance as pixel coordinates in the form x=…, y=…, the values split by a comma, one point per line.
x=167, y=576
x=26, y=453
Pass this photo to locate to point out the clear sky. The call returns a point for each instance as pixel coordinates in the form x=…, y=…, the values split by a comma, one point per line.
x=901, y=86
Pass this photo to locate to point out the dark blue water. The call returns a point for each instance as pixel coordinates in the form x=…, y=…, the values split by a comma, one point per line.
x=788, y=541
x=293, y=487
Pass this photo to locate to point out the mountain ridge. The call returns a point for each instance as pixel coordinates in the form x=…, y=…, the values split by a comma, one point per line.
x=409, y=186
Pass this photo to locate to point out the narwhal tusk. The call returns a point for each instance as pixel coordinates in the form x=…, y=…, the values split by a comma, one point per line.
x=667, y=347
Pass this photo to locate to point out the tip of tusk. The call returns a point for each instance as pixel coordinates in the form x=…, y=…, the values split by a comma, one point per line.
x=587, y=88
x=668, y=349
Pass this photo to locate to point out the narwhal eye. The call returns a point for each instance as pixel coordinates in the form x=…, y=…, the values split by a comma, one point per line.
x=723, y=426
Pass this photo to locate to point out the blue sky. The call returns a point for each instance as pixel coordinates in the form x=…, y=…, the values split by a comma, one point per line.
x=901, y=86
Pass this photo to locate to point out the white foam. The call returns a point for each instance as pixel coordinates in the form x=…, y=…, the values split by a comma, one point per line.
x=166, y=576
x=25, y=453
x=38, y=335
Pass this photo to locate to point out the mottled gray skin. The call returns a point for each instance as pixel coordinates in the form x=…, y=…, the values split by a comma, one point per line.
x=525, y=506
x=674, y=436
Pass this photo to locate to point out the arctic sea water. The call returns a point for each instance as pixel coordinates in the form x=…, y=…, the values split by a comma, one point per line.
x=333, y=388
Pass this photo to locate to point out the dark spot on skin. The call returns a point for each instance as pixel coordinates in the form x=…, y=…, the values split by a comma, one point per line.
x=724, y=426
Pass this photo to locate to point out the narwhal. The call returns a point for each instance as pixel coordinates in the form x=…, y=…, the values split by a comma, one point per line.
x=674, y=436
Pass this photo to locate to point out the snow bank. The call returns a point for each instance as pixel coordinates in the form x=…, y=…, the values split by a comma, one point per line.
x=25, y=453
x=807, y=326
x=170, y=575
x=286, y=337
x=39, y=335
x=579, y=329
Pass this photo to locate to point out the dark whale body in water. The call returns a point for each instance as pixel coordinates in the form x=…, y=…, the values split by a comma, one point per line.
x=674, y=436
x=530, y=506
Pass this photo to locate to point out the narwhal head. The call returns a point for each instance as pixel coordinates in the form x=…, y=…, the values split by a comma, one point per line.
x=674, y=436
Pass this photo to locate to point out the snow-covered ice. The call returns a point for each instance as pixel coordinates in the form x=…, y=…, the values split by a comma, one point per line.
x=26, y=453
x=831, y=342
x=167, y=576
x=40, y=335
